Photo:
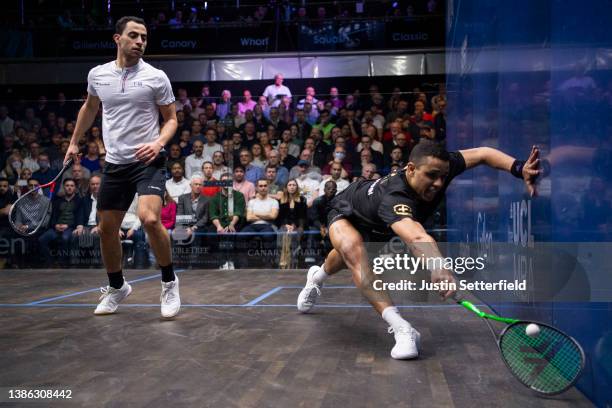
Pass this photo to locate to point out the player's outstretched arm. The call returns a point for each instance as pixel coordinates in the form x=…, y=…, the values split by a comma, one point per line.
x=85, y=119
x=421, y=244
x=526, y=170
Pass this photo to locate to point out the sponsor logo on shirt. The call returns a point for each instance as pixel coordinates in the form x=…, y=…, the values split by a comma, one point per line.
x=102, y=83
x=136, y=84
x=402, y=209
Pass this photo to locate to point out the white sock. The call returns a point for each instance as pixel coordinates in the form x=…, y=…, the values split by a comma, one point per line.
x=393, y=317
x=320, y=275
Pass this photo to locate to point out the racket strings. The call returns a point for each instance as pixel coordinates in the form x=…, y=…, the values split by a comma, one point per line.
x=29, y=212
x=549, y=362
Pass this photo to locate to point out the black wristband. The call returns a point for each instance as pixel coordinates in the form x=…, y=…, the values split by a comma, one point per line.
x=517, y=168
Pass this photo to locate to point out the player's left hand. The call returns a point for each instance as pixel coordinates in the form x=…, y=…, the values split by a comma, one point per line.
x=147, y=152
x=531, y=170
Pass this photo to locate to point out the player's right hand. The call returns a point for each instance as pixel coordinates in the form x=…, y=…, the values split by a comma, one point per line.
x=444, y=275
x=72, y=152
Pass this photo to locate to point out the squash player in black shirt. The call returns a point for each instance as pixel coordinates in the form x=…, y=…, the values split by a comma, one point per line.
x=399, y=203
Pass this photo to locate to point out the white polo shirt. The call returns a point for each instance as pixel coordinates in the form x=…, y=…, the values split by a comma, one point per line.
x=130, y=98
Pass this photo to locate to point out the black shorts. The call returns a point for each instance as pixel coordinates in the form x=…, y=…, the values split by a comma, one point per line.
x=340, y=209
x=120, y=182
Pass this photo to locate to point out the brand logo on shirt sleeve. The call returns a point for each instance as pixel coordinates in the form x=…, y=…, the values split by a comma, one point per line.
x=402, y=209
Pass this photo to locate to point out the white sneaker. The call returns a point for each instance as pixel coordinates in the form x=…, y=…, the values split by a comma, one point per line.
x=407, y=342
x=308, y=296
x=230, y=266
x=170, y=298
x=111, y=298
x=225, y=266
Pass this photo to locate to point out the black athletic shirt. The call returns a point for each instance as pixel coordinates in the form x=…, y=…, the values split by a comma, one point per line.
x=379, y=203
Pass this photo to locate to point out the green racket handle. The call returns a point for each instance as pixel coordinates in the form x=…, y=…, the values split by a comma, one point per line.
x=460, y=299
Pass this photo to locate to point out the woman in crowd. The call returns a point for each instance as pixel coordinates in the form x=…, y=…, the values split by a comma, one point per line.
x=291, y=221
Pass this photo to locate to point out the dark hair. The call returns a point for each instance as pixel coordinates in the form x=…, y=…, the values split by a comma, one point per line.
x=3, y=179
x=428, y=148
x=262, y=179
x=67, y=179
x=122, y=22
x=239, y=167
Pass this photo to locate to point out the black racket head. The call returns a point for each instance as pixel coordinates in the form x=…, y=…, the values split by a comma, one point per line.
x=548, y=363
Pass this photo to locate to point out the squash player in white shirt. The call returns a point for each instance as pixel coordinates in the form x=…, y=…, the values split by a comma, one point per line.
x=132, y=93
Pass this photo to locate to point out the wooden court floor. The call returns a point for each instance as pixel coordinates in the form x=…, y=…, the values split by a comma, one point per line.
x=239, y=342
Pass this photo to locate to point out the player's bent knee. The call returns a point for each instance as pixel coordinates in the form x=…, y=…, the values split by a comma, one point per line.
x=149, y=220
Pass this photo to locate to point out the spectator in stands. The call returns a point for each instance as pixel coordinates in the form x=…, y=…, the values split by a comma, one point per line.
x=276, y=121
x=7, y=198
x=208, y=190
x=7, y=124
x=196, y=131
x=13, y=167
x=174, y=156
x=168, y=212
x=261, y=214
x=226, y=214
x=194, y=205
x=426, y=130
x=282, y=174
x=246, y=104
x=219, y=166
x=45, y=173
x=303, y=127
x=396, y=158
x=193, y=162
x=23, y=216
x=224, y=106
x=324, y=123
x=334, y=98
x=311, y=113
x=335, y=176
x=80, y=175
x=205, y=98
x=88, y=221
x=177, y=185
x=291, y=217
x=211, y=145
x=177, y=21
x=274, y=189
x=21, y=186
x=65, y=213
x=259, y=156
x=242, y=184
x=319, y=207
x=211, y=116
x=439, y=121
x=196, y=108
x=341, y=158
x=252, y=172
x=182, y=99
x=276, y=91
x=308, y=181
x=31, y=160
x=91, y=160
x=308, y=98
x=368, y=143
x=287, y=137
x=261, y=111
x=285, y=159
x=397, y=138
x=185, y=142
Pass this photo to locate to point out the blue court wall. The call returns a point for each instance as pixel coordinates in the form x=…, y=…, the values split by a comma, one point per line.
x=523, y=73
